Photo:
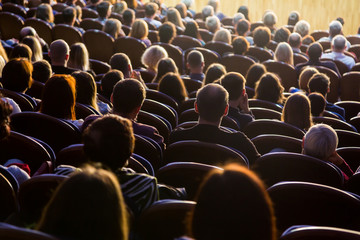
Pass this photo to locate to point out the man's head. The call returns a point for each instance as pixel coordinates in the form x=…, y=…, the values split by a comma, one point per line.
x=212, y=102
x=42, y=71
x=294, y=17
x=151, y=9
x=129, y=17
x=110, y=141
x=195, y=60
x=59, y=52
x=234, y=83
x=338, y=43
x=237, y=17
x=335, y=28
x=295, y=40
x=207, y=11
x=302, y=27
x=128, y=97
x=315, y=51
x=215, y=4
x=320, y=141
x=242, y=27
x=318, y=104
x=262, y=36
x=69, y=16
x=212, y=24
x=121, y=62
x=167, y=32
x=240, y=45
x=109, y=80
x=27, y=31
x=320, y=83
x=103, y=9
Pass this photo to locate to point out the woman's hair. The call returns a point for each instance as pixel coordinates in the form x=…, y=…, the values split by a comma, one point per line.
x=152, y=56
x=307, y=40
x=44, y=12
x=282, y=35
x=139, y=29
x=17, y=75
x=172, y=85
x=173, y=16
x=59, y=96
x=305, y=76
x=262, y=36
x=254, y=74
x=222, y=35
x=192, y=29
x=284, y=53
x=85, y=89
x=79, y=57
x=35, y=46
x=5, y=111
x=131, y=4
x=233, y=204
x=119, y=7
x=240, y=45
x=165, y=66
x=113, y=27
x=21, y=51
x=297, y=111
x=269, y=88
x=214, y=72
x=3, y=53
x=89, y=205
x=302, y=27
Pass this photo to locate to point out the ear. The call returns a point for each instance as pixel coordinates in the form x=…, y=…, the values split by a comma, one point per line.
x=137, y=109
x=202, y=64
x=302, y=142
x=187, y=65
x=196, y=107
x=226, y=111
x=67, y=57
x=112, y=98
x=328, y=90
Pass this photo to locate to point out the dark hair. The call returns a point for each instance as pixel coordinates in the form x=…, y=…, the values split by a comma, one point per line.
x=244, y=10
x=121, y=62
x=282, y=35
x=58, y=99
x=165, y=66
x=240, y=45
x=242, y=27
x=150, y=9
x=262, y=36
x=167, y=32
x=69, y=14
x=85, y=89
x=128, y=94
x=103, y=8
x=195, y=58
x=5, y=111
x=128, y=16
x=318, y=104
x=230, y=203
x=307, y=40
x=17, y=75
x=172, y=85
x=21, y=51
x=89, y=205
x=269, y=88
x=214, y=72
x=192, y=29
x=109, y=80
x=211, y=101
x=131, y=4
x=109, y=140
x=293, y=18
x=320, y=83
x=42, y=71
x=234, y=83
x=254, y=74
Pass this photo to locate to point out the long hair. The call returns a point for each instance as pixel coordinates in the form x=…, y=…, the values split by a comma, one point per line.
x=173, y=16
x=35, y=47
x=139, y=29
x=59, y=97
x=284, y=53
x=269, y=88
x=87, y=206
x=79, y=57
x=172, y=85
x=85, y=89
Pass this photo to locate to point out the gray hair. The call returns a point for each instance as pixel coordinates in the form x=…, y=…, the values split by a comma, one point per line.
x=339, y=42
x=302, y=27
x=335, y=28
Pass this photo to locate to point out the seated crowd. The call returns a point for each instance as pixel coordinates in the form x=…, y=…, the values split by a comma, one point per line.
x=122, y=113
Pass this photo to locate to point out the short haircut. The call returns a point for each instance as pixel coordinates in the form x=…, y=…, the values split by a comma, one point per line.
x=302, y=27
x=21, y=51
x=103, y=9
x=17, y=75
x=294, y=40
x=262, y=36
x=150, y=9
x=318, y=104
x=109, y=80
x=121, y=62
x=128, y=16
x=315, y=51
x=339, y=42
x=282, y=34
x=127, y=95
x=222, y=35
x=152, y=56
x=167, y=32
x=58, y=50
x=294, y=17
x=212, y=23
x=319, y=83
x=240, y=45
x=270, y=18
x=195, y=58
x=207, y=11
x=242, y=27
x=214, y=72
x=234, y=83
x=42, y=71
x=211, y=101
x=320, y=141
x=69, y=14
x=110, y=141
x=335, y=28
x=237, y=17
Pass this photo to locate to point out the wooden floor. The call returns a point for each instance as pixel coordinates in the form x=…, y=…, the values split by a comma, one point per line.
x=319, y=13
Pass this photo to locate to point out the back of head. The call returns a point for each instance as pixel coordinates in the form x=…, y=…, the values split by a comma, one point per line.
x=119, y=7
x=167, y=32
x=339, y=43
x=79, y=57
x=195, y=59
x=103, y=9
x=113, y=27
x=109, y=140
x=187, y=3
x=214, y=4
x=207, y=11
x=212, y=100
x=42, y=71
x=214, y=72
x=139, y=29
x=59, y=50
x=5, y=111
x=320, y=83
x=282, y=34
x=222, y=35
x=307, y=40
x=237, y=17
x=192, y=29
x=150, y=9
x=234, y=83
x=89, y=198
x=152, y=56
x=335, y=28
x=59, y=86
x=17, y=75
x=320, y=141
x=165, y=66
x=269, y=88
x=270, y=19
x=242, y=27
x=295, y=40
x=305, y=76
x=318, y=104
x=69, y=15
x=21, y=51
x=35, y=46
x=297, y=111
x=27, y=31
x=302, y=27
x=240, y=45
x=212, y=23
x=128, y=95
x=242, y=207
x=244, y=10
x=181, y=7
x=109, y=80
x=172, y=85
x=284, y=53
x=128, y=16
x=315, y=51
x=262, y=36
x=121, y=62
x=294, y=17
x=85, y=88
x=173, y=16
x=44, y=12
x=254, y=74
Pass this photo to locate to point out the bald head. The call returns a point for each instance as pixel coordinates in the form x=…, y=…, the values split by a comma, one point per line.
x=59, y=52
x=27, y=31
x=295, y=40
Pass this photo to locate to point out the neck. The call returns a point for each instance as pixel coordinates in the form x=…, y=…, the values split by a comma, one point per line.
x=216, y=123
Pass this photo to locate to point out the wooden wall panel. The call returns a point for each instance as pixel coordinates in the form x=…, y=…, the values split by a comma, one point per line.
x=319, y=13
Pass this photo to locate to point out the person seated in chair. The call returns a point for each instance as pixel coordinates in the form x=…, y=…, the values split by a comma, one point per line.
x=195, y=64
x=212, y=104
x=150, y=13
x=104, y=11
x=59, y=55
x=239, y=109
x=69, y=16
x=338, y=47
x=321, y=142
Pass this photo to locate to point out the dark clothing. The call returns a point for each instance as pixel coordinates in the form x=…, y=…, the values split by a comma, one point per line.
x=148, y=131
x=336, y=109
x=62, y=70
x=327, y=64
x=213, y=134
x=197, y=76
x=242, y=119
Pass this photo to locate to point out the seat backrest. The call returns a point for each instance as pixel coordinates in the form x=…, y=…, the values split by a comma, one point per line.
x=350, y=86
x=206, y=35
x=91, y=23
x=153, y=35
x=317, y=34
x=187, y=104
x=68, y=33
x=59, y=7
x=132, y=47
x=267, y=142
x=353, y=185
x=11, y=232
x=161, y=109
x=353, y=39
x=150, y=150
x=265, y=126
x=209, y=55
x=259, y=53
x=155, y=121
x=8, y=198
x=348, y=138
x=10, y=25
x=202, y=152
x=72, y=155
x=55, y=132
x=161, y=97
x=333, y=95
x=89, y=13
x=272, y=45
x=93, y=39
x=25, y=103
x=237, y=63
x=352, y=108
x=301, y=203
x=192, y=85
x=355, y=121
x=175, y=53
x=265, y=113
x=165, y=219
x=325, y=45
x=185, y=42
x=82, y=111
x=355, y=49
x=42, y=28
x=99, y=67
x=220, y=47
x=299, y=58
x=319, y=233
x=334, y=123
x=286, y=72
x=255, y=25
x=14, y=8
x=264, y=104
x=287, y=166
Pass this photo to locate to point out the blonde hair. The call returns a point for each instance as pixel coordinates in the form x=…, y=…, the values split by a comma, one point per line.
x=284, y=53
x=222, y=35
x=139, y=29
x=152, y=56
x=44, y=12
x=112, y=26
x=79, y=57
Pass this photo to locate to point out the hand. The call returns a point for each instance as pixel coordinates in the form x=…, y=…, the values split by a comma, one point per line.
x=244, y=103
x=135, y=75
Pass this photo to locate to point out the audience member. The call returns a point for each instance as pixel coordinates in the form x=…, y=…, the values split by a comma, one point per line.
x=192, y=30
x=150, y=13
x=269, y=88
x=188, y=4
x=212, y=24
x=113, y=27
x=239, y=110
x=181, y=7
x=222, y=35
x=281, y=35
x=164, y=66
x=121, y=62
x=79, y=57
x=242, y=28
x=172, y=85
x=305, y=76
x=245, y=11
x=41, y=71
x=270, y=20
x=318, y=103
x=212, y=103
x=307, y=40
x=119, y=7
x=152, y=56
x=173, y=16
x=44, y=12
x=335, y=28
x=195, y=64
x=293, y=18
x=295, y=42
x=108, y=81
x=104, y=11
x=59, y=55
x=21, y=51
x=140, y=30
x=338, y=47
x=302, y=27
x=214, y=72
x=206, y=12
x=262, y=37
x=167, y=32
x=17, y=75
x=284, y=53
x=240, y=45
x=216, y=5
x=35, y=47
x=129, y=17
x=254, y=74
x=69, y=17
x=30, y=31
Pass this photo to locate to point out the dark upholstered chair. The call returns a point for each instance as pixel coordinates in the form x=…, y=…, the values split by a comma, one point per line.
x=99, y=44
x=267, y=142
x=237, y=63
x=319, y=233
x=42, y=28
x=132, y=47
x=10, y=25
x=68, y=33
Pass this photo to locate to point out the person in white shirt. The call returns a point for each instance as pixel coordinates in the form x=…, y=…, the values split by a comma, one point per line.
x=338, y=46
